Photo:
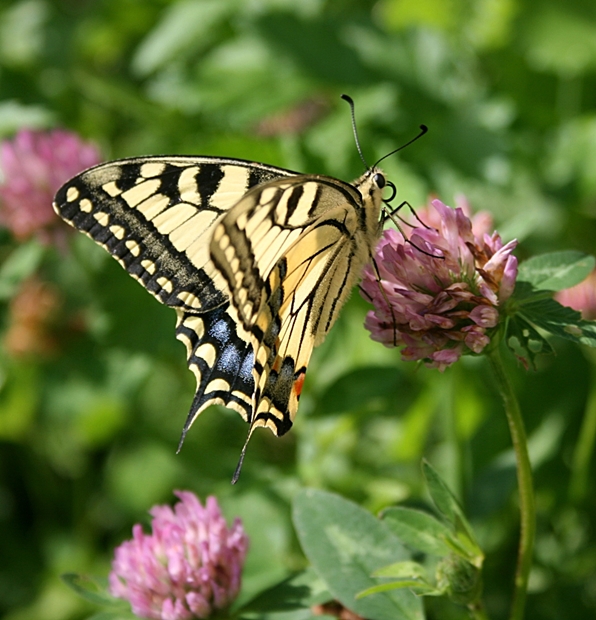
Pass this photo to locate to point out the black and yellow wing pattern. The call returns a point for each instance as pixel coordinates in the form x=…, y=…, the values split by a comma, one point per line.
x=256, y=261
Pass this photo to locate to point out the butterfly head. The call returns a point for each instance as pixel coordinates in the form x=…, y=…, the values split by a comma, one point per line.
x=373, y=185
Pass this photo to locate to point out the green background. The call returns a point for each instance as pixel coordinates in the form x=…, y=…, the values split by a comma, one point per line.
x=88, y=434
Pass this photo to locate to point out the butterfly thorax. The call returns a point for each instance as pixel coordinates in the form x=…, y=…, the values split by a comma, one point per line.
x=370, y=185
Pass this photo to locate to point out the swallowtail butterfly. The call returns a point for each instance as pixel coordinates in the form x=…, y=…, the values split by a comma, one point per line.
x=257, y=262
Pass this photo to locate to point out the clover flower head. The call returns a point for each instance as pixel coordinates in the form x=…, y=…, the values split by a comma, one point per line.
x=438, y=293
x=189, y=567
x=33, y=166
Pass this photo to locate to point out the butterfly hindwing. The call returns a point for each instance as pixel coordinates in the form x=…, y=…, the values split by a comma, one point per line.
x=290, y=252
x=220, y=359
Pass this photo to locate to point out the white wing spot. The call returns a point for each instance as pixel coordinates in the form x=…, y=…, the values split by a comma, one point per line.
x=229, y=253
x=149, y=266
x=189, y=299
x=186, y=341
x=86, y=205
x=187, y=185
x=221, y=237
x=241, y=221
x=118, y=231
x=102, y=218
x=133, y=247
x=243, y=397
x=196, y=372
x=72, y=193
x=165, y=284
x=196, y=324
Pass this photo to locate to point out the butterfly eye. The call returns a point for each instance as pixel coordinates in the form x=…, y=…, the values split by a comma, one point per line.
x=379, y=179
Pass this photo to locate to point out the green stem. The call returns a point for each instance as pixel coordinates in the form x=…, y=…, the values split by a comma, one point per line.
x=584, y=449
x=524, y=481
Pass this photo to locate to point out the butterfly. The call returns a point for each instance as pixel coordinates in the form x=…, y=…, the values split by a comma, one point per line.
x=257, y=261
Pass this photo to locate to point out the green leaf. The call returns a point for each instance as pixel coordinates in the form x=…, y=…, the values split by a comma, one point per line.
x=14, y=115
x=316, y=46
x=525, y=342
x=300, y=591
x=21, y=264
x=20, y=394
x=346, y=544
x=557, y=270
x=421, y=588
x=465, y=542
x=560, y=40
x=402, y=570
x=418, y=530
x=559, y=320
x=91, y=590
x=187, y=26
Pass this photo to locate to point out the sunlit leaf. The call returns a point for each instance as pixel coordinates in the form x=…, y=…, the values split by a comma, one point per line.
x=418, y=530
x=557, y=270
x=345, y=545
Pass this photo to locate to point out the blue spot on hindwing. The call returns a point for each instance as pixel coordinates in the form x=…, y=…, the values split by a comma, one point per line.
x=246, y=369
x=229, y=359
x=220, y=331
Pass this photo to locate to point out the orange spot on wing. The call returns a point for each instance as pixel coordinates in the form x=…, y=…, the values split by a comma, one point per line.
x=298, y=384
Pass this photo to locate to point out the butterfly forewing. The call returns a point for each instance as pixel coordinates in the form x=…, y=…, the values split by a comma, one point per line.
x=155, y=215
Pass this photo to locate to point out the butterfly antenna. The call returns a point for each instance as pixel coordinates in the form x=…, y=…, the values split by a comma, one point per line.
x=354, y=129
x=423, y=130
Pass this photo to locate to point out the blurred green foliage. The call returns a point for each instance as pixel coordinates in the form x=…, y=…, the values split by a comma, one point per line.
x=89, y=428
